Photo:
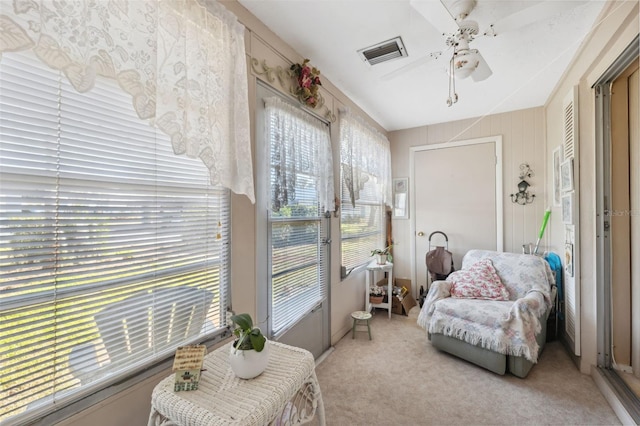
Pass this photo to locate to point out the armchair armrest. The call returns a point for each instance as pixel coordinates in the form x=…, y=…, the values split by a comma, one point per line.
x=438, y=290
x=524, y=321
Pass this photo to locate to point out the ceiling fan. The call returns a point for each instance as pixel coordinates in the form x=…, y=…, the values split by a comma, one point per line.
x=450, y=18
x=459, y=31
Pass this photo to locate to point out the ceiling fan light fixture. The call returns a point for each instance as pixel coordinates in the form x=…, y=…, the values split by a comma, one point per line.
x=460, y=9
x=465, y=63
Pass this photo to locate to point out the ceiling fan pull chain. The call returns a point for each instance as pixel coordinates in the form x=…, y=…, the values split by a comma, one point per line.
x=453, y=82
x=449, y=100
x=453, y=96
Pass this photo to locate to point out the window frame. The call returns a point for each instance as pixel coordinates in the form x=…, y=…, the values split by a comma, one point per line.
x=272, y=218
x=83, y=396
x=380, y=232
x=365, y=174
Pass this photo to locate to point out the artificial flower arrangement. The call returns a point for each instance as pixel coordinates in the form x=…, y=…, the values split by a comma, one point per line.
x=376, y=294
x=308, y=79
x=377, y=290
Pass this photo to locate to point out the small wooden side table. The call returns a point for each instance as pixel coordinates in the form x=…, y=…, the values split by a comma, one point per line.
x=287, y=392
x=371, y=270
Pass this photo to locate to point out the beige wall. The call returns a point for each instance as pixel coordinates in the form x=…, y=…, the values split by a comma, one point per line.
x=523, y=142
x=618, y=25
x=129, y=407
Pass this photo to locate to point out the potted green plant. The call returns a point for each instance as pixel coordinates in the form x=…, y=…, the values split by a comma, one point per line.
x=383, y=255
x=249, y=353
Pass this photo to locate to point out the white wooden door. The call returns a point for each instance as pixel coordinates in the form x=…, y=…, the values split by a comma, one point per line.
x=457, y=190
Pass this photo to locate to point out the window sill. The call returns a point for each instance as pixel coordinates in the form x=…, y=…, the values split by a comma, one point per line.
x=355, y=270
x=75, y=404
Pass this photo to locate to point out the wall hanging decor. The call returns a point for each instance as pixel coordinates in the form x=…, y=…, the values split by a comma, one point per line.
x=308, y=79
x=566, y=175
x=299, y=80
x=567, y=208
x=401, y=198
x=523, y=196
x=557, y=191
x=568, y=258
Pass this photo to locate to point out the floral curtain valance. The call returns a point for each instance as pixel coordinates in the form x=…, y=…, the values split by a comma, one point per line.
x=301, y=145
x=183, y=65
x=365, y=154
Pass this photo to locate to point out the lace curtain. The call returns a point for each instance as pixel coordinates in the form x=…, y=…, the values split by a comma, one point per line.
x=182, y=64
x=365, y=154
x=302, y=145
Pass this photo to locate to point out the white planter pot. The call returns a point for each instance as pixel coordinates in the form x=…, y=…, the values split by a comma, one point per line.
x=249, y=364
x=381, y=259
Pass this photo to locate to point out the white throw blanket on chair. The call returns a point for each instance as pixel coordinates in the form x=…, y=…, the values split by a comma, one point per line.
x=507, y=327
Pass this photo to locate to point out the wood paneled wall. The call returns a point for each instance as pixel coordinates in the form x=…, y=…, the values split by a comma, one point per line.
x=523, y=142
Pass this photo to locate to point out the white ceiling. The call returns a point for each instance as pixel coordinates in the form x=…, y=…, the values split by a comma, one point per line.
x=527, y=58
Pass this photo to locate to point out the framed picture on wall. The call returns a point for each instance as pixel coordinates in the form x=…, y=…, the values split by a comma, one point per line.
x=568, y=259
x=401, y=198
x=567, y=208
x=566, y=175
x=557, y=190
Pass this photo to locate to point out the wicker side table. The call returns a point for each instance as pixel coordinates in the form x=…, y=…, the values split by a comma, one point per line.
x=286, y=393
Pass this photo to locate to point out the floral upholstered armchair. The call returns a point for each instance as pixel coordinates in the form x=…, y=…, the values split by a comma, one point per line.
x=493, y=311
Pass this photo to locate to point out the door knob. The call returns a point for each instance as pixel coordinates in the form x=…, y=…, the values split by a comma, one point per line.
x=420, y=234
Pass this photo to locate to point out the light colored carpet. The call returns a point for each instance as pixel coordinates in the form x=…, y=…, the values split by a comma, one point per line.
x=398, y=378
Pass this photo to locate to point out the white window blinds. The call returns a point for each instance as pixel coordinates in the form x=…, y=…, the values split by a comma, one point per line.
x=301, y=187
x=365, y=159
x=361, y=227
x=113, y=250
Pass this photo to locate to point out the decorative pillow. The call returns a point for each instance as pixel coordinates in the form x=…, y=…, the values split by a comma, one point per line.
x=479, y=281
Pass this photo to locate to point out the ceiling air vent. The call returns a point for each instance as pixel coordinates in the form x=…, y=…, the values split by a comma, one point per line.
x=382, y=52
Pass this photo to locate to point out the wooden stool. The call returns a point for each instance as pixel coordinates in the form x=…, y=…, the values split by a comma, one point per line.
x=360, y=318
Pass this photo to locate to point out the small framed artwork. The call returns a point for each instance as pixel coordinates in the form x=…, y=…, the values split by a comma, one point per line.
x=566, y=175
x=401, y=198
x=557, y=191
x=568, y=259
x=567, y=208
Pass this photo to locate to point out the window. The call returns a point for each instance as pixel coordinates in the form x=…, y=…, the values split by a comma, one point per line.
x=365, y=177
x=301, y=190
x=113, y=250
x=361, y=226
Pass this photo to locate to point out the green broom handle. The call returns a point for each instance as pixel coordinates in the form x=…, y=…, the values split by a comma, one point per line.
x=547, y=212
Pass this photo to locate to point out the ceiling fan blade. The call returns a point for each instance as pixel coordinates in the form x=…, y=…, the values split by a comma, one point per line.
x=537, y=12
x=483, y=71
x=437, y=14
x=433, y=56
